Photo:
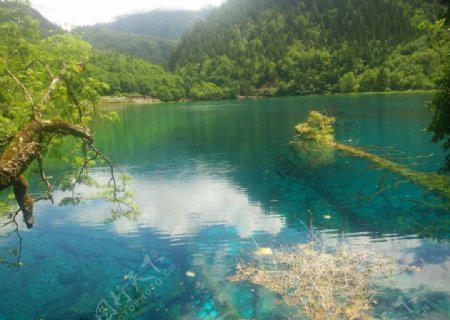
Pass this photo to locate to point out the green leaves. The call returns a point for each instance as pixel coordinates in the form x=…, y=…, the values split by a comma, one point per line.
x=44, y=82
x=127, y=75
x=306, y=47
x=440, y=105
x=66, y=50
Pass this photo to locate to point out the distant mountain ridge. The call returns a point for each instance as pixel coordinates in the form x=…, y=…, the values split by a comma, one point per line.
x=151, y=36
x=164, y=24
x=151, y=49
x=47, y=28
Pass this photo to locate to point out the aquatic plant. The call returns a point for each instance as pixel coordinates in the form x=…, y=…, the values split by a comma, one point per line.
x=324, y=283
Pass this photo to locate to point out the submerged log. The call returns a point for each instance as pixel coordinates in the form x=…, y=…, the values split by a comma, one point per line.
x=318, y=131
x=23, y=149
x=436, y=183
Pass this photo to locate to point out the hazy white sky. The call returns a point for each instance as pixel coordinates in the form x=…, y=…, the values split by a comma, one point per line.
x=84, y=12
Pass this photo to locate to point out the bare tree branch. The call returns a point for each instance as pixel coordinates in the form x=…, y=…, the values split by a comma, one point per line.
x=34, y=108
x=52, y=87
x=14, y=223
x=44, y=177
x=22, y=87
x=112, y=180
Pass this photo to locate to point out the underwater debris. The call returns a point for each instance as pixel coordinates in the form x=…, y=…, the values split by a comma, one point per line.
x=325, y=284
x=263, y=252
x=190, y=274
x=315, y=140
x=223, y=300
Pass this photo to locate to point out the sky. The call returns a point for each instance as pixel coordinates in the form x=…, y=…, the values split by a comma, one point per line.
x=69, y=13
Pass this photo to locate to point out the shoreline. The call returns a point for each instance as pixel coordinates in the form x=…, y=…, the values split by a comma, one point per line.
x=124, y=99
x=431, y=91
x=150, y=100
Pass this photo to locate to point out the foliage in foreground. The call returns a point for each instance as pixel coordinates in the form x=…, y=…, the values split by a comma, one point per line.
x=46, y=105
x=324, y=283
x=440, y=105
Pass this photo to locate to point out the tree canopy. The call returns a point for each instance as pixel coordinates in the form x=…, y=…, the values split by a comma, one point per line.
x=440, y=105
x=46, y=98
x=128, y=75
x=312, y=46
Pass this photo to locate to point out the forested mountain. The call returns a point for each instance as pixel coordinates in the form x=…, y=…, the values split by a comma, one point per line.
x=46, y=27
x=309, y=46
x=130, y=75
x=169, y=25
x=267, y=47
x=123, y=74
x=151, y=36
x=151, y=49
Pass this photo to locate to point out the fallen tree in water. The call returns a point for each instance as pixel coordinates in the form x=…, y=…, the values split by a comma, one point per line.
x=315, y=139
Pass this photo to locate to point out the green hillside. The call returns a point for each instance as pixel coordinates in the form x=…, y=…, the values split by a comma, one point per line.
x=286, y=47
x=169, y=25
x=46, y=27
x=129, y=75
x=152, y=49
x=267, y=47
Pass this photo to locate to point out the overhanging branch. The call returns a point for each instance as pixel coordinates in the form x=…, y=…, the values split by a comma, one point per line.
x=23, y=149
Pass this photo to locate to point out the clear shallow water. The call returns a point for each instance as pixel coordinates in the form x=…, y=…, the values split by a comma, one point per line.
x=208, y=180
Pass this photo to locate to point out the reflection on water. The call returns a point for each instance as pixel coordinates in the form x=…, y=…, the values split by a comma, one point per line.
x=182, y=206
x=208, y=180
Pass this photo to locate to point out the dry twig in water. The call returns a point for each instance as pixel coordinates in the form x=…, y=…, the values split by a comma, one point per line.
x=324, y=284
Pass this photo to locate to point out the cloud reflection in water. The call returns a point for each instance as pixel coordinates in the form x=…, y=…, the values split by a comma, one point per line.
x=184, y=206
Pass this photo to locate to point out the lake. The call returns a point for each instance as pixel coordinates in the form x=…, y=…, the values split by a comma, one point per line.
x=208, y=181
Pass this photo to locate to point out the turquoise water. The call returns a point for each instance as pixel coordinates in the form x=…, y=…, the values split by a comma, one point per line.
x=213, y=182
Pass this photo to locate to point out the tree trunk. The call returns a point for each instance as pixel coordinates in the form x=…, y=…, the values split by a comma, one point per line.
x=24, y=200
x=21, y=152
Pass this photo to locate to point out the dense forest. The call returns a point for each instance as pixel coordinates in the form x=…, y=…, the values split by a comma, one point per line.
x=134, y=76
x=313, y=46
